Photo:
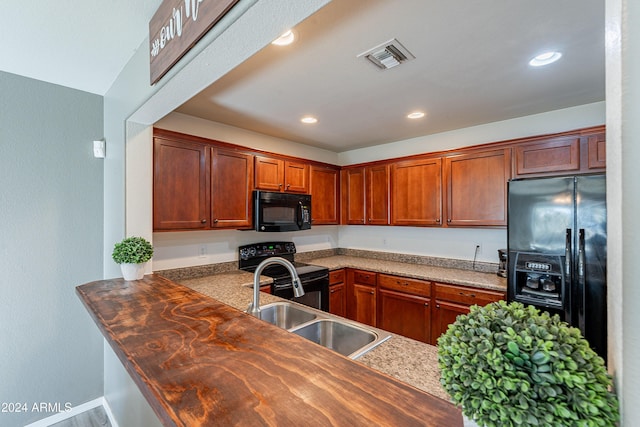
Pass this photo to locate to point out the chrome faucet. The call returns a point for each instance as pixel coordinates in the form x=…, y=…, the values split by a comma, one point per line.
x=298, y=291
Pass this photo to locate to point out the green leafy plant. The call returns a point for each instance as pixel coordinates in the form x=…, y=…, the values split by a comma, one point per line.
x=132, y=250
x=513, y=365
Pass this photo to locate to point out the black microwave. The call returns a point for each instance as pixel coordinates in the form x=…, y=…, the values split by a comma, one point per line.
x=281, y=211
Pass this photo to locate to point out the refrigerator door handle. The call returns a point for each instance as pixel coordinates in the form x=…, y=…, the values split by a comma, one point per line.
x=581, y=254
x=567, y=254
x=581, y=281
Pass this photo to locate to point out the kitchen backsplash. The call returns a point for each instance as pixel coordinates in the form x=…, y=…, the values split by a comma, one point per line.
x=178, y=274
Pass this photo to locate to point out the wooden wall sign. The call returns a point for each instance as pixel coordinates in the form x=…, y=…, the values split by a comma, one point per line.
x=177, y=26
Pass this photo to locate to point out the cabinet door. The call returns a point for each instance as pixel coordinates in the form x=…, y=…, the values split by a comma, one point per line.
x=377, y=194
x=597, y=152
x=416, y=189
x=477, y=188
x=337, y=304
x=445, y=313
x=365, y=304
x=337, y=293
x=405, y=314
x=231, y=187
x=269, y=173
x=296, y=177
x=324, y=191
x=353, y=193
x=550, y=156
x=180, y=185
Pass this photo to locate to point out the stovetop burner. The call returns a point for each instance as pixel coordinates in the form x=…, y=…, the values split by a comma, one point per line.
x=250, y=256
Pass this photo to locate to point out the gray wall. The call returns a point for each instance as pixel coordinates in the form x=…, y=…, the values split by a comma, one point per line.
x=51, y=222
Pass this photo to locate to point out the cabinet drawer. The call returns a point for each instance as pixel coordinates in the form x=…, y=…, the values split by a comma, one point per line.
x=364, y=277
x=401, y=284
x=336, y=276
x=466, y=295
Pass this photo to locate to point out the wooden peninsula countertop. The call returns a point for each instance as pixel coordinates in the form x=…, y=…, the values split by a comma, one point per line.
x=200, y=362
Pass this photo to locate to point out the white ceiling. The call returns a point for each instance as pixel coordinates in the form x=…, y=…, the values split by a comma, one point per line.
x=470, y=66
x=80, y=44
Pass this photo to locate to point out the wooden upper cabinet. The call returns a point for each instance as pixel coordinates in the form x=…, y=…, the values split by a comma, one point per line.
x=353, y=195
x=377, y=194
x=553, y=155
x=273, y=174
x=325, y=195
x=296, y=177
x=597, y=151
x=231, y=187
x=476, y=186
x=269, y=173
x=180, y=185
x=365, y=195
x=416, y=192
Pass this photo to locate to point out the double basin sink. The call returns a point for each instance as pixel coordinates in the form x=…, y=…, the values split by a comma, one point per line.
x=333, y=332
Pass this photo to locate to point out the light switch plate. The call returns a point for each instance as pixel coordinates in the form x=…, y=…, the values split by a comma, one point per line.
x=99, y=149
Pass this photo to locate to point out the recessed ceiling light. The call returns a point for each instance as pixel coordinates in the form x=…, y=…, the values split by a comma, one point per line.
x=415, y=115
x=285, y=39
x=309, y=120
x=545, y=59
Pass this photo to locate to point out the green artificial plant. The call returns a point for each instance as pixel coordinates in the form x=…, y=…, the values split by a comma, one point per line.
x=132, y=250
x=507, y=364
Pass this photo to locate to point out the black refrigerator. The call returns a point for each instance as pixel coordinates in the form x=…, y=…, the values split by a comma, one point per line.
x=557, y=250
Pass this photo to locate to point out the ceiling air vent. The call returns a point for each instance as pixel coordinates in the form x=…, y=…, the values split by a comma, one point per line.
x=387, y=55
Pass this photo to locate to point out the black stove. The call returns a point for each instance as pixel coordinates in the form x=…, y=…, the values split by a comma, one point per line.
x=314, y=278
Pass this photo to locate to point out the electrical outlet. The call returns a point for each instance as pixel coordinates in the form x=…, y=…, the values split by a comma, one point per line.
x=477, y=247
x=202, y=253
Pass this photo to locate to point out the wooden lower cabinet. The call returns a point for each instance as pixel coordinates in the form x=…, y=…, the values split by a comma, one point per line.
x=453, y=300
x=361, y=296
x=337, y=293
x=418, y=309
x=404, y=306
x=444, y=314
x=404, y=314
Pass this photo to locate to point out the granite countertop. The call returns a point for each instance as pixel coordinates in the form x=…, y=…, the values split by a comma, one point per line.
x=456, y=276
x=407, y=360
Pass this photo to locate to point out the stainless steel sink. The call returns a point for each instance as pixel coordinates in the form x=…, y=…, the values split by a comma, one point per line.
x=285, y=315
x=343, y=336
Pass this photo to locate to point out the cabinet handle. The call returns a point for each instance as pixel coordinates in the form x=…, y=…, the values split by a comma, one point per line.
x=468, y=295
x=437, y=220
x=448, y=220
x=332, y=291
x=280, y=185
x=371, y=292
x=369, y=220
x=426, y=304
x=437, y=305
x=362, y=220
x=215, y=221
x=203, y=221
x=288, y=185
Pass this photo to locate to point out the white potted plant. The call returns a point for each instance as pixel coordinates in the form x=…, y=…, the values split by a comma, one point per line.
x=132, y=254
x=513, y=365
